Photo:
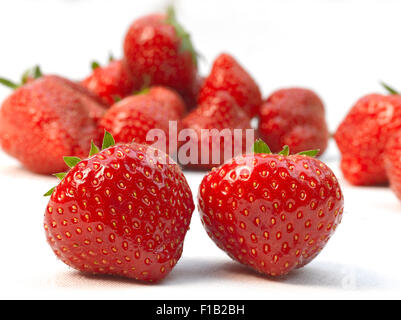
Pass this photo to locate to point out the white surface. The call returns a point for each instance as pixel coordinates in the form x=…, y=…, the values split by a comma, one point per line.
x=339, y=48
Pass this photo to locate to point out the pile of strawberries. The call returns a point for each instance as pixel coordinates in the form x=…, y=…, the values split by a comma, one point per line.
x=156, y=81
x=126, y=209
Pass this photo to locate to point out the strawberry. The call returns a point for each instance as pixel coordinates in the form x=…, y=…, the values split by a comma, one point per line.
x=392, y=163
x=122, y=212
x=362, y=137
x=228, y=75
x=45, y=119
x=111, y=83
x=132, y=118
x=271, y=212
x=158, y=51
x=218, y=112
x=293, y=117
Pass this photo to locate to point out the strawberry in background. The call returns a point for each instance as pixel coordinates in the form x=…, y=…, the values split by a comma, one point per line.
x=46, y=118
x=228, y=75
x=112, y=82
x=362, y=137
x=217, y=112
x=132, y=118
x=293, y=117
x=158, y=51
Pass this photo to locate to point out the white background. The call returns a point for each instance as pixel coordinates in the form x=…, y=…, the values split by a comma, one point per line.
x=339, y=48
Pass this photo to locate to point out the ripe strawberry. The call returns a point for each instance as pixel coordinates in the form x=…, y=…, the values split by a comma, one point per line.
x=293, y=117
x=111, y=83
x=228, y=75
x=392, y=163
x=272, y=212
x=45, y=119
x=121, y=212
x=216, y=113
x=159, y=51
x=133, y=117
x=362, y=137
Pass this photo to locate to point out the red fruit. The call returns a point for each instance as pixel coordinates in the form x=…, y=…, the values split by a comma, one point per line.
x=273, y=213
x=216, y=113
x=228, y=75
x=121, y=212
x=362, y=137
x=133, y=117
x=111, y=83
x=294, y=117
x=46, y=119
x=392, y=162
x=170, y=98
x=158, y=51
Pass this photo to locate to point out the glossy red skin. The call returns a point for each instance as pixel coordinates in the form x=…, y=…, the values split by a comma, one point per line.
x=228, y=75
x=392, y=157
x=47, y=119
x=112, y=82
x=153, y=53
x=293, y=117
x=133, y=117
x=217, y=112
x=170, y=98
x=362, y=137
x=117, y=213
x=271, y=216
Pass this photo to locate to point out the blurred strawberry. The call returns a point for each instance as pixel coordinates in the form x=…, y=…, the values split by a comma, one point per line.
x=228, y=75
x=293, y=117
x=48, y=118
x=221, y=115
x=362, y=137
x=133, y=117
x=158, y=51
x=111, y=83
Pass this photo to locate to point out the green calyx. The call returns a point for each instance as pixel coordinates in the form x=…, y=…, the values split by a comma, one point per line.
x=71, y=162
x=389, y=89
x=261, y=147
x=186, y=43
x=95, y=64
x=33, y=73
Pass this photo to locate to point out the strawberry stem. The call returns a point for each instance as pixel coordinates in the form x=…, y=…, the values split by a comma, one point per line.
x=389, y=89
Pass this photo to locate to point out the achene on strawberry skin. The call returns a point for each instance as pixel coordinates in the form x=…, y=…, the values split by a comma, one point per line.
x=123, y=211
x=271, y=212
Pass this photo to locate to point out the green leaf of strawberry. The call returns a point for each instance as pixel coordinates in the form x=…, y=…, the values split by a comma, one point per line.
x=285, y=151
x=261, y=147
x=94, y=149
x=186, y=43
x=309, y=153
x=71, y=161
x=389, y=89
x=108, y=140
x=33, y=73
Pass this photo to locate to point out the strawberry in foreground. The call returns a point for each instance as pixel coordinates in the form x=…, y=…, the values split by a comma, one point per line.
x=124, y=211
x=272, y=212
x=294, y=117
x=362, y=137
x=132, y=118
x=47, y=118
x=111, y=83
x=221, y=115
x=158, y=51
x=228, y=75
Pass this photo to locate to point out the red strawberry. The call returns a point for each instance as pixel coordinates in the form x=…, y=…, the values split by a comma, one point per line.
x=362, y=137
x=294, y=117
x=228, y=75
x=121, y=212
x=158, y=51
x=272, y=212
x=111, y=83
x=392, y=162
x=170, y=98
x=46, y=119
x=218, y=112
x=132, y=118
